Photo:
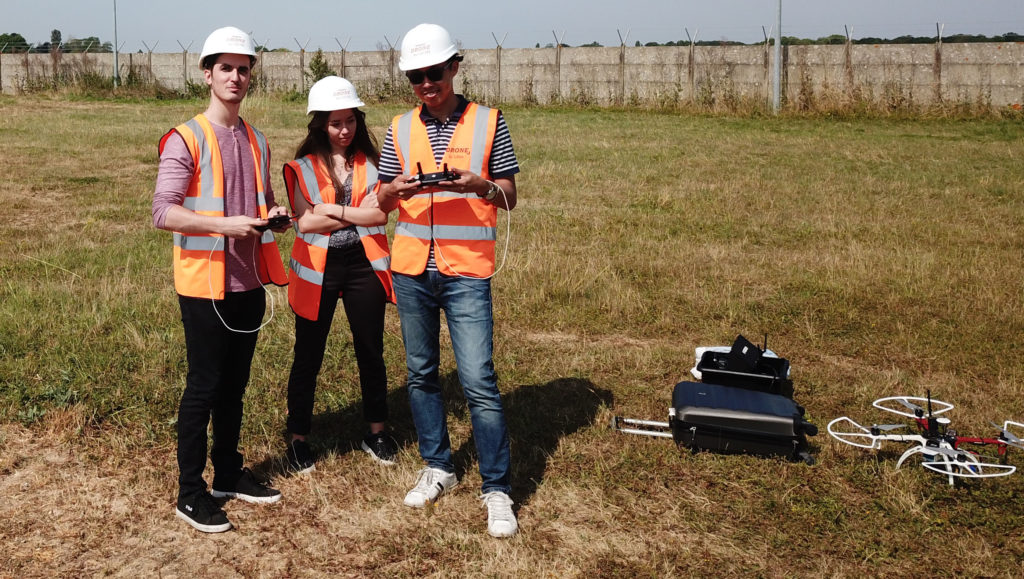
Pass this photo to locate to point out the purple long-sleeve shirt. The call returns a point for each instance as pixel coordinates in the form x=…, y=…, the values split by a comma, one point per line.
x=172, y=181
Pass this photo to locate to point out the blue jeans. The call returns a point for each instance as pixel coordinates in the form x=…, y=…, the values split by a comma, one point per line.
x=467, y=306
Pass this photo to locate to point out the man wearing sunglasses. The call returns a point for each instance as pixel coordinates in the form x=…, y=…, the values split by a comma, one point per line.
x=443, y=257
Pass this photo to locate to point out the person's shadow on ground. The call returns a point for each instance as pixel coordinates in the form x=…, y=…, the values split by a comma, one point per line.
x=340, y=430
x=538, y=417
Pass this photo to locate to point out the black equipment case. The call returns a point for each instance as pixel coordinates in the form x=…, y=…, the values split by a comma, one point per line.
x=738, y=421
x=746, y=366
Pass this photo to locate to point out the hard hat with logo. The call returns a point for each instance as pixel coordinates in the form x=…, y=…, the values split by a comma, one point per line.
x=332, y=93
x=426, y=45
x=227, y=40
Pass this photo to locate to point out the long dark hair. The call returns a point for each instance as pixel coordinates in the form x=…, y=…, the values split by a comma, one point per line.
x=318, y=143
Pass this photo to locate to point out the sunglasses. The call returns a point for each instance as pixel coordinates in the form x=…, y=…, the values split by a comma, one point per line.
x=435, y=74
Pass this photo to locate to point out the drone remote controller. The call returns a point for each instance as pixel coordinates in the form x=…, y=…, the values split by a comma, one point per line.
x=274, y=222
x=435, y=178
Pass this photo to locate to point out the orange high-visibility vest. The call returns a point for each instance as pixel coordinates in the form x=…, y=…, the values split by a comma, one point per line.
x=309, y=253
x=199, y=260
x=462, y=226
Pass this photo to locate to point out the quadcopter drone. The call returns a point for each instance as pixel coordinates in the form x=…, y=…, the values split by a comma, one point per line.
x=941, y=448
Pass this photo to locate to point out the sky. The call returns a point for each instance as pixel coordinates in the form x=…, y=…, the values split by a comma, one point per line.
x=167, y=26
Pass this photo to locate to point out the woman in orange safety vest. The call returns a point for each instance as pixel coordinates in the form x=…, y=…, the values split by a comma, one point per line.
x=340, y=251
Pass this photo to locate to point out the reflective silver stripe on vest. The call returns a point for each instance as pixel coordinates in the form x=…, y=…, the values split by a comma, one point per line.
x=403, y=137
x=309, y=179
x=371, y=176
x=315, y=239
x=449, y=232
x=367, y=231
x=307, y=274
x=476, y=154
x=206, y=200
x=382, y=264
x=261, y=143
x=204, y=204
x=198, y=243
x=456, y=195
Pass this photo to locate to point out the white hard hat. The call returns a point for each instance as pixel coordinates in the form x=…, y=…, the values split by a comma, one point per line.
x=332, y=93
x=426, y=45
x=227, y=40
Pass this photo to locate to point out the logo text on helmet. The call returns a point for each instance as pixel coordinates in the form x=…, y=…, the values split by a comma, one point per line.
x=420, y=49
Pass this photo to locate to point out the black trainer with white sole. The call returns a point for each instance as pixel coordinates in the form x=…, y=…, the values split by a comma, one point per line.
x=299, y=457
x=247, y=488
x=203, y=513
x=381, y=447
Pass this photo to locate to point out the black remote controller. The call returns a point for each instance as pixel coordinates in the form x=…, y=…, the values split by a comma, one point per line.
x=274, y=222
x=435, y=178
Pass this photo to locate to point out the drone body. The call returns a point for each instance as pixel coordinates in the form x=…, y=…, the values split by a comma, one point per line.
x=941, y=448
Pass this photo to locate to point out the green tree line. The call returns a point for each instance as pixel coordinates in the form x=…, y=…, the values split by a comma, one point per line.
x=12, y=42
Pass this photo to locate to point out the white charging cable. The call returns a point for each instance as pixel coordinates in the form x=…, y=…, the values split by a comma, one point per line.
x=209, y=279
x=508, y=236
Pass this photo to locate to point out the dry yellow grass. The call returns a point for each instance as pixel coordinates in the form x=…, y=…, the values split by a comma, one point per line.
x=882, y=257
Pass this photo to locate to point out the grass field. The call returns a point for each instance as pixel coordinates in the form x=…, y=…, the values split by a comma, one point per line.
x=881, y=256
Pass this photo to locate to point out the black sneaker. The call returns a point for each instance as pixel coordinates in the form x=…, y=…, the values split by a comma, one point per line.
x=381, y=447
x=299, y=457
x=249, y=489
x=203, y=513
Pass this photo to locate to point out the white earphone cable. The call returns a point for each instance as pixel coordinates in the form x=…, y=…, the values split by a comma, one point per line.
x=504, y=253
x=213, y=302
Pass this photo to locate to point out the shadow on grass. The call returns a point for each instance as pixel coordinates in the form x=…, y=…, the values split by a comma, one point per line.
x=538, y=417
x=340, y=430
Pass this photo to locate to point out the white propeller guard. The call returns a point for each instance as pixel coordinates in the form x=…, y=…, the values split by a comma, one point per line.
x=938, y=406
x=861, y=439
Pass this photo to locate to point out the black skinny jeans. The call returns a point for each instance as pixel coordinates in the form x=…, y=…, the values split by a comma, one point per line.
x=349, y=273
x=218, y=372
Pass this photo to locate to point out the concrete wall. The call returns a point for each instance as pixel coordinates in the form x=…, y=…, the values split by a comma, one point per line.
x=890, y=75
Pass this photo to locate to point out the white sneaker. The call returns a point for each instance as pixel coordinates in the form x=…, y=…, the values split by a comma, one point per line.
x=431, y=484
x=501, y=521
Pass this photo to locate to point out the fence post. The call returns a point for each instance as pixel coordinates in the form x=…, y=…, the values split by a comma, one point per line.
x=622, y=64
x=149, y=60
x=184, y=65
x=341, y=72
x=690, y=67
x=558, y=63
x=848, y=61
x=766, y=61
x=302, y=62
x=391, y=61
x=497, y=56
x=938, y=63
x=28, y=70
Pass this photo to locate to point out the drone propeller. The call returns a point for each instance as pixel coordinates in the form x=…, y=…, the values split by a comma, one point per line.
x=1008, y=437
x=911, y=406
x=972, y=468
x=954, y=453
x=844, y=429
x=851, y=433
